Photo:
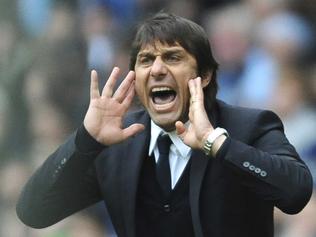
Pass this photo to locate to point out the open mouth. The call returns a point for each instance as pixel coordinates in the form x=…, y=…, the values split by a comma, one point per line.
x=163, y=95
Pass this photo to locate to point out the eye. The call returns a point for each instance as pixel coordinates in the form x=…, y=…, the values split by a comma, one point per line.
x=173, y=58
x=145, y=60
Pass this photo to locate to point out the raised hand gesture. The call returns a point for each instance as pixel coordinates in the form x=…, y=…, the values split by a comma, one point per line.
x=200, y=127
x=105, y=114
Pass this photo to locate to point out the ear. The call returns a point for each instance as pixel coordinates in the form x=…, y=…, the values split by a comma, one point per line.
x=207, y=79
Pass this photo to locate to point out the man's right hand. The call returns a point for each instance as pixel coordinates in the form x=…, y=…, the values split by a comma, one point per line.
x=105, y=114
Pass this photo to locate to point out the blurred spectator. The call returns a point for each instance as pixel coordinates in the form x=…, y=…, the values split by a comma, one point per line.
x=12, y=177
x=306, y=9
x=249, y=51
x=34, y=15
x=48, y=47
x=292, y=40
x=124, y=11
x=263, y=9
x=312, y=83
x=291, y=104
x=231, y=34
x=62, y=56
x=16, y=56
x=302, y=224
x=47, y=124
x=185, y=8
x=301, y=12
x=98, y=31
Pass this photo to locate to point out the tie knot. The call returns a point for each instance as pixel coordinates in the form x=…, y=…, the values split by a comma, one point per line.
x=164, y=143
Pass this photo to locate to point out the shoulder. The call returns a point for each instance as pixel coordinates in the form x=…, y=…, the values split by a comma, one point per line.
x=241, y=120
x=238, y=113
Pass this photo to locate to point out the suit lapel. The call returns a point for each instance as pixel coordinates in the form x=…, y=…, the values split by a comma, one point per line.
x=135, y=151
x=199, y=163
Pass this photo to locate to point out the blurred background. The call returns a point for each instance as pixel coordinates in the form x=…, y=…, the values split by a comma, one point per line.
x=267, y=56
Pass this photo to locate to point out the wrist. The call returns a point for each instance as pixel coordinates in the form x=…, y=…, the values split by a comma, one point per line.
x=85, y=142
x=218, y=144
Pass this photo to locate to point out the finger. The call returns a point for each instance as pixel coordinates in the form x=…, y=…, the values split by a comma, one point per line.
x=121, y=93
x=129, y=96
x=94, y=85
x=132, y=130
x=191, y=113
x=196, y=108
x=109, y=85
x=180, y=129
x=192, y=88
x=199, y=89
x=196, y=89
x=193, y=98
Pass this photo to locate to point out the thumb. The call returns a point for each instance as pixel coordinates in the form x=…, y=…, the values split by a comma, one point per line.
x=132, y=130
x=180, y=129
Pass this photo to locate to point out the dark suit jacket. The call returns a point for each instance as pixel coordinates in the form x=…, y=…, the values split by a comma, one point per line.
x=233, y=194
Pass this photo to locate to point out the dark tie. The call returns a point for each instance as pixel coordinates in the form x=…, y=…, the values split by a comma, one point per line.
x=162, y=166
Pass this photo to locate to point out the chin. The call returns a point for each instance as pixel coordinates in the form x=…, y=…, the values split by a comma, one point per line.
x=166, y=121
x=166, y=124
x=168, y=127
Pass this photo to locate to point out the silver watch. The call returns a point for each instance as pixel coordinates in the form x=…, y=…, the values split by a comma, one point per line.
x=211, y=139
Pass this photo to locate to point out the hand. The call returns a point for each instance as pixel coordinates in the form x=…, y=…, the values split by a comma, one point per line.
x=200, y=127
x=105, y=114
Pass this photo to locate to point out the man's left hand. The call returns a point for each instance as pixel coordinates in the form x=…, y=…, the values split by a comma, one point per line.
x=199, y=127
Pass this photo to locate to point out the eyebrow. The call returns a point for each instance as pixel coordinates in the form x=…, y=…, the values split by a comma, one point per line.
x=166, y=51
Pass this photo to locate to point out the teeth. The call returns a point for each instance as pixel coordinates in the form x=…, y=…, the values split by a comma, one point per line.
x=158, y=89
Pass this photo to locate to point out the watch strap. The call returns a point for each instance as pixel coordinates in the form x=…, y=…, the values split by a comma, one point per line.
x=211, y=139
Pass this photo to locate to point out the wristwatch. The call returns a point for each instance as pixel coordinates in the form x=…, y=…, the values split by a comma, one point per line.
x=211, y=139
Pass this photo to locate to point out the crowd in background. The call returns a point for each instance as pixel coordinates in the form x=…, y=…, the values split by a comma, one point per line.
x=267, y=56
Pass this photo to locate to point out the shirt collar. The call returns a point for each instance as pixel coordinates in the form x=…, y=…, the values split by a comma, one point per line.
x=181, y=148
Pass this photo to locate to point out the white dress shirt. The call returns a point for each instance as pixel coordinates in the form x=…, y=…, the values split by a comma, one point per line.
x=179, y=153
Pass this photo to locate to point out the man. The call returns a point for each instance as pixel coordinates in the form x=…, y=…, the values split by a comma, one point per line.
x=226, y=167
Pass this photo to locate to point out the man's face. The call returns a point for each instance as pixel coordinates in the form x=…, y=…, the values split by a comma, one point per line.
x=162, y=75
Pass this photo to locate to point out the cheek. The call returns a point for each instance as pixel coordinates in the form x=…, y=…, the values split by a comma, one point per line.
x=185, y=90
x=140, y=79
x=140, y=90
x=184, y=97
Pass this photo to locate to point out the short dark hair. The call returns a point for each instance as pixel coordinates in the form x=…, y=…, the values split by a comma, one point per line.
x=171, y=29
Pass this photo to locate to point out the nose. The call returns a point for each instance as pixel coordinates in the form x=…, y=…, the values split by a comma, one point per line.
x=158, y=68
